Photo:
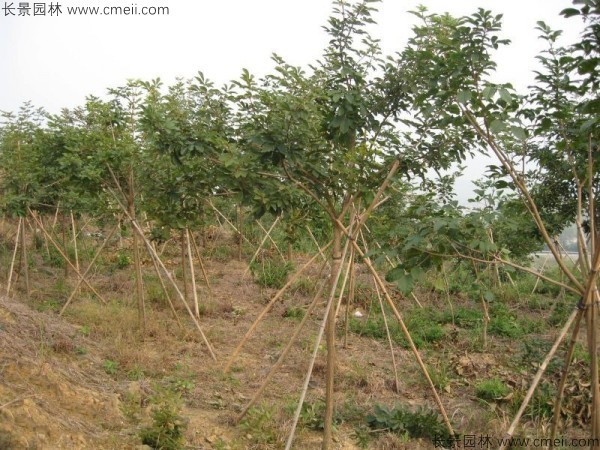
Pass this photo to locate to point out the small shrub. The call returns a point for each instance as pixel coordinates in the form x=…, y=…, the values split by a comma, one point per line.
x=422, y=423
x=168, y=426
x=258, y=424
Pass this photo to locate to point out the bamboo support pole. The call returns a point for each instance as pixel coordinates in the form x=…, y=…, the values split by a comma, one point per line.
x=166, y=291
x=14, y=256
x=272, y=241
x=204, y=274
x=266, y=309
x=64, y=256
x=537, y=378
x=267, y=235
x=563, y=379
x=25, y=259
x=327, y=314
x=153, y=254
x=283, y=353
x=91, y=264
x=192, y=272
x=312, y=236
x=389, y=339
x=229, y=222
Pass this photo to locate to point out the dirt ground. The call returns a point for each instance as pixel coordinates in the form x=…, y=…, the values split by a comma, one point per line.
x=90, y=379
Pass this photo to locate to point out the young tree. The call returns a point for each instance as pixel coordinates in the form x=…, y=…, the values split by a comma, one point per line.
x=556, y=130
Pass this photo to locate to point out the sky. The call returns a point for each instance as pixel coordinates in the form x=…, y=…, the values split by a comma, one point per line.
x=56, y=60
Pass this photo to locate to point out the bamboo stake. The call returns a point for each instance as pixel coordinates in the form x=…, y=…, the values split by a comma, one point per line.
x=537, y=378
x=24, y=260
x=166, y=291
x=266, y=309
x=267, y=235
x=59, y=250
x=272, y=241
x=91, y=264
x=74, y=232
x=385, y=322
x=351, y=292
x=192, y=272
x=389, y=338
x=153, y=254
x=328, y=313
x=541, y=273
x=137, y=261
x=283, y=354
x=183, y=264
x=14, y=256
x=563, y=379
x=228, y=222
x=316, y=242
x=411, y=343
x=202, y=265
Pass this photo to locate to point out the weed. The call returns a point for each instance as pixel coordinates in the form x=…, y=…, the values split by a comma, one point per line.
x=51, y=305
x=110, y=367
x=294, y=313
x=135, y=374
x=258, y=425
x=123, y=260
x=491, y=389
x=271, y=273
x=168, y=426
x=304, y=286
x=422, y=423
x=439, y=374
x=81, y=351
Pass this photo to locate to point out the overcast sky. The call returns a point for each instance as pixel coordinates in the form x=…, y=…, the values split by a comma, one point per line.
x=56, y=61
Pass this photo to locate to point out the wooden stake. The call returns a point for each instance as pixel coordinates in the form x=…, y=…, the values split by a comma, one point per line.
x=284, y=353
x=266, y=309
x=328, y=313
x=153, y=254
x=14, y=256
x=59, y=250
x=192, y=273
x=91, y=264
x=202, y=266
x=267, y=235
x=537, y=378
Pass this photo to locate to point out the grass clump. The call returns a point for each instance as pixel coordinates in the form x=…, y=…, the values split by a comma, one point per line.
x=271, y=273
x=491, y=389
x=422, y=423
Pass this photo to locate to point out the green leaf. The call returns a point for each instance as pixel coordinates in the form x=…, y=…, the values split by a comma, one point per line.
x=505, y=95
x=518, y=132
x=569, y=12
x=497, y=125
x=489, y=296
x=463, y=97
